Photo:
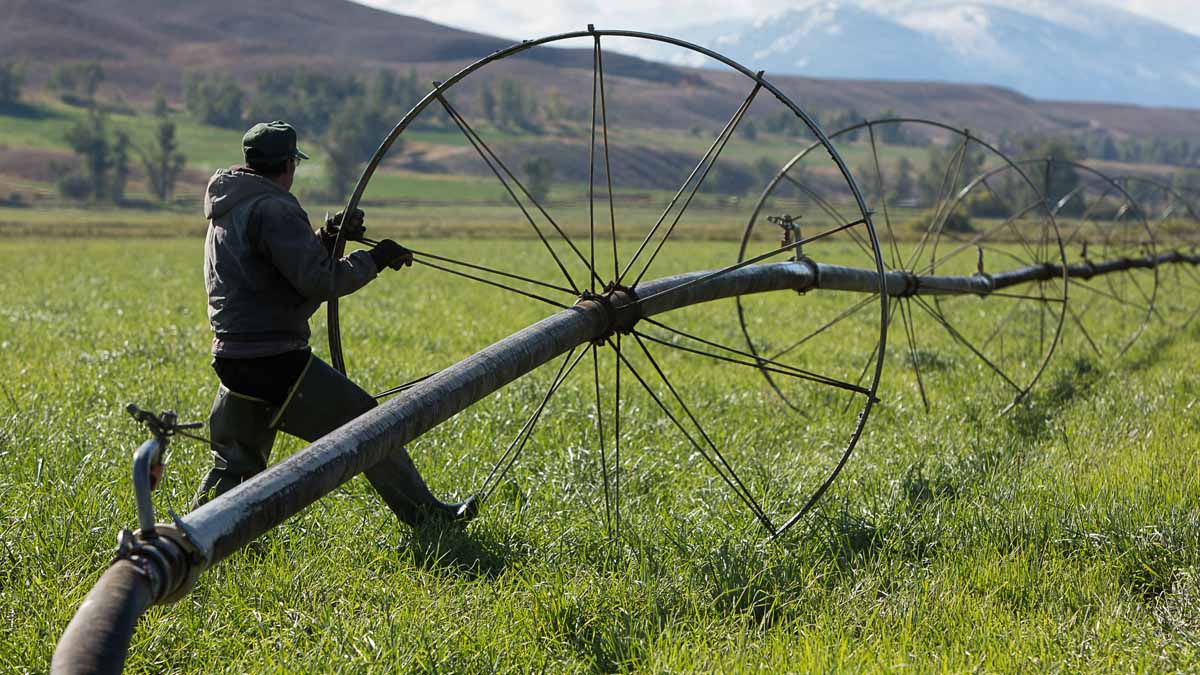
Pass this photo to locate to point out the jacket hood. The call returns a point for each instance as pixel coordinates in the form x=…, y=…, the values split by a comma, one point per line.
x=229, y=187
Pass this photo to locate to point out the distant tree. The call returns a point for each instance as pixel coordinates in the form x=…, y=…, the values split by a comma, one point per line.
x=517, y=109
x=842, y=119
x=160, y=109
x=553, y=108
x=305, y=98
x=119, y=163
x=784, y=122
x=352, y=136
x=12, y=80
x=765, y=170
x=749, y=130
x=539, y=174
x=487, y=101
x=214, y=99
x=162, y=160
x=894, y=133
x=1057, y=179
x=77, y=82
x=73, y=185
x=949, y=167
x=89, y=139
x=903, y=186
x=383, y=88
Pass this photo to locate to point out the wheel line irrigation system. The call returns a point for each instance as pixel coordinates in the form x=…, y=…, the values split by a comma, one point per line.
x=160, y=563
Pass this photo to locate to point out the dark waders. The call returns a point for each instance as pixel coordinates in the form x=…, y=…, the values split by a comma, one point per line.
x=321, y=399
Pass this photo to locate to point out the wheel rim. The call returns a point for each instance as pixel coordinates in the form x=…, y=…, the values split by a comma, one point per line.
x=626, y=275
x=1107, y=224
x=901, y=254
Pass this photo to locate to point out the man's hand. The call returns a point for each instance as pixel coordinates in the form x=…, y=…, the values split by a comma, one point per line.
x=352, y=228
x=388, y=253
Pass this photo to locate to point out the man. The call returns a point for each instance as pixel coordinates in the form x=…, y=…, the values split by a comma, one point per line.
x=266, y=273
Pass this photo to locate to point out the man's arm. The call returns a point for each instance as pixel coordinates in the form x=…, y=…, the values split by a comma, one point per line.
x=287, y=240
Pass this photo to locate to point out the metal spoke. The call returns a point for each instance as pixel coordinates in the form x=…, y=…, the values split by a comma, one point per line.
x=912, y=349
x=1087, y=336
x=732, y=480
x=887, y=220
x=514, y=449
x=707, y=162
x=489, y=156
x=1148, y=297
x=1111, y=296
x=490, y=270
x=592, y=202
x=974, y=241
x=617, y=441
x=404, y=387
x=992, y=249
x=831, y=211
x=750, y=355
x=756, y=259
x=1000, y=325
x=1024, y=242
x=854, y=309
x=489, y=282
x=966, y=343
x=952, y=167
x=612, y=214
x=608, y=522
x=862, y=374
x=760, y=364
x=1039, y=298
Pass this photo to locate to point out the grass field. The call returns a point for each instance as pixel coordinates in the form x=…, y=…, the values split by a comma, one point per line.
x=1061, y=537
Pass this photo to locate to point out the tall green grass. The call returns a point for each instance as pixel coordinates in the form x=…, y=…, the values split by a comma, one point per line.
x=1061, y=537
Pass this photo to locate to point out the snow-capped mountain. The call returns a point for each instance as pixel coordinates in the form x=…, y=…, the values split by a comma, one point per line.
x=1062, y=50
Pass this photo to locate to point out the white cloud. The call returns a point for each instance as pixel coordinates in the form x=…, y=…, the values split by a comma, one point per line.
x=519, y=19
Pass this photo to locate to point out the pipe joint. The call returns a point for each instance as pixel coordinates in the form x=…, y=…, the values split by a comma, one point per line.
x=621, y=310
x=912, y=284
x=813, y=268
x=165, y=557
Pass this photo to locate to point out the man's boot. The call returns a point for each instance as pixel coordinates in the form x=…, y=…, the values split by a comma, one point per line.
x=323, y=400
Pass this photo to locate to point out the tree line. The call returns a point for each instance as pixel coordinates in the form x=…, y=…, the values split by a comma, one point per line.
x=347, y=116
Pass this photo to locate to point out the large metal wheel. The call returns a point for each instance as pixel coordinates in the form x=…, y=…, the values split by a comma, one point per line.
x=604, y=244
x=979, y=213
x=1101, y=221
x=1175, y=223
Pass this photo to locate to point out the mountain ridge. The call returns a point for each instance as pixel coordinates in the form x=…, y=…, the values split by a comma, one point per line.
x=146, y=44
x=1073, y=50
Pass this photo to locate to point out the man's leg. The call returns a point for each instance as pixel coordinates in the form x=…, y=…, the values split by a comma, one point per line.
x=323, y=400
x=241, y=433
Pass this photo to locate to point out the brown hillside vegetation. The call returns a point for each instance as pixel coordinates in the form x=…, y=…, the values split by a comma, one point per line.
x=149, y=43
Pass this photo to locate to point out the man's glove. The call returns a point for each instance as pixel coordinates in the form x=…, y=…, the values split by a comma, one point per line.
x=388, y=253
x=352, y=228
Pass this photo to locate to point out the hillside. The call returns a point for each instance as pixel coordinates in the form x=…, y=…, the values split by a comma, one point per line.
x=146, y=44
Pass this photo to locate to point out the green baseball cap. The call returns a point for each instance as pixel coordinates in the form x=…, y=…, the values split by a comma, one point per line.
x=270, y=141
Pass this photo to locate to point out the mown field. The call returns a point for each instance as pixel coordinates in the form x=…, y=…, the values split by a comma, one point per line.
x=1063, y=536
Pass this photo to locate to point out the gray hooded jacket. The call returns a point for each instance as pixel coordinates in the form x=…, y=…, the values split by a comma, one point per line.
x=265, y=269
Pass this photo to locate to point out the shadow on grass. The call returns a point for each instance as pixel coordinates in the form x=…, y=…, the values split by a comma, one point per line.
x=1030, y=420
x=472, y=554
x=1152, y=355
